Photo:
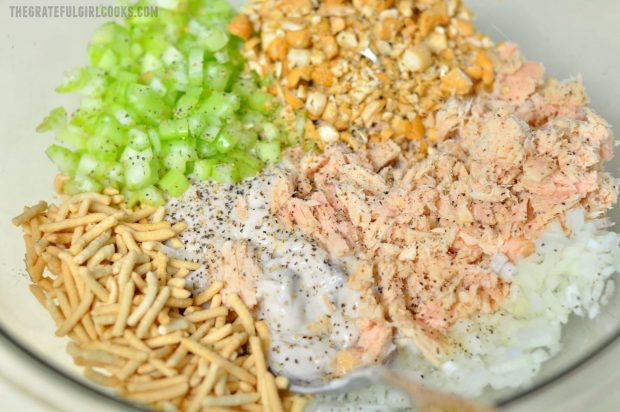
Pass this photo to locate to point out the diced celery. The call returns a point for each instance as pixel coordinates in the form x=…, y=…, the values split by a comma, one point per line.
x=108, y=128
x=187, y=102
x=244, y=87
x=102, y=148
x=270, y=132
x=65, y=160
x=150, y=195
x=81, y=184
x=150, y=63
x=217, y=77
x=122, y=115
x=105, y=34
x=203, y=168
x=107, y=60
x=206, y=149
x=216, y=39
x=174, y=129
x=211, y=132
x=110, y=173
x=95, y=86
x=155, y=140
x=145, y=101
x=204, y=126
x=220, y=104
x=218, y=7
x=178, y=153
x=246, y=171
x=172, y=56
x=174, y=182
x=55, y=120
x=86, y=166
x=246, y=158
x=167, y=96
x=158, y=86
x=130, y=156
x=92, y=105
x=228, y=137
x=140, y=174
x=225, y=173
x=178, y=79
x=247, y=140
x=194, y=66
x=155, y=43
x=260, y=101
x=72, y=136
x=138, y=139
x=268, y=151
x=169, y=4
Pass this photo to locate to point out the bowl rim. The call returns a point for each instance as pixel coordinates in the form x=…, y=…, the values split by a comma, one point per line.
x=26, y=353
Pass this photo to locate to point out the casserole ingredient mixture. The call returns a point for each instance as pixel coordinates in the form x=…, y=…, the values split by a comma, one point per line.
x=371, y=177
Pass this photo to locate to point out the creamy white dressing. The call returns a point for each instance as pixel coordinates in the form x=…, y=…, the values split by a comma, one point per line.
x=299, y=285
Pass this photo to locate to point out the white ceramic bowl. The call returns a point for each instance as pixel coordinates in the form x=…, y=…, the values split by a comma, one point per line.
x=570, y=36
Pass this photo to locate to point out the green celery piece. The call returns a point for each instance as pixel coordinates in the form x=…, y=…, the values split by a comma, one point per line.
x=172, y=56
x=92, y=105
x=155, y=140
x=140, y=174
x=145, y=101
x=150, y=63
x=65, y=160
x=72, y=136
x=105, y=34
x=225, y=173
x=110, y=173
x=81, y=184
x=108, y=128
x=55, y=120
x=220, y=104
x=123, y=115
x=102, y=148
x=195, y=66
x=217, y=77
x=206, y=149
x=270, y=132
x=247, y=139
x=174, y=129
x=178, y=153
x=75, y=79
x=174, y=182
x=86, y=166
x=245, y=86
x=216, y=39
x=155, y=43
x=150, y=195
x=260, y=101
x=203, y=168
x=138, y=139
x=221, y=7
x=107, y=60
x=187, y=102
x=204, y=126
x=247, y=165
x=269, y=152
